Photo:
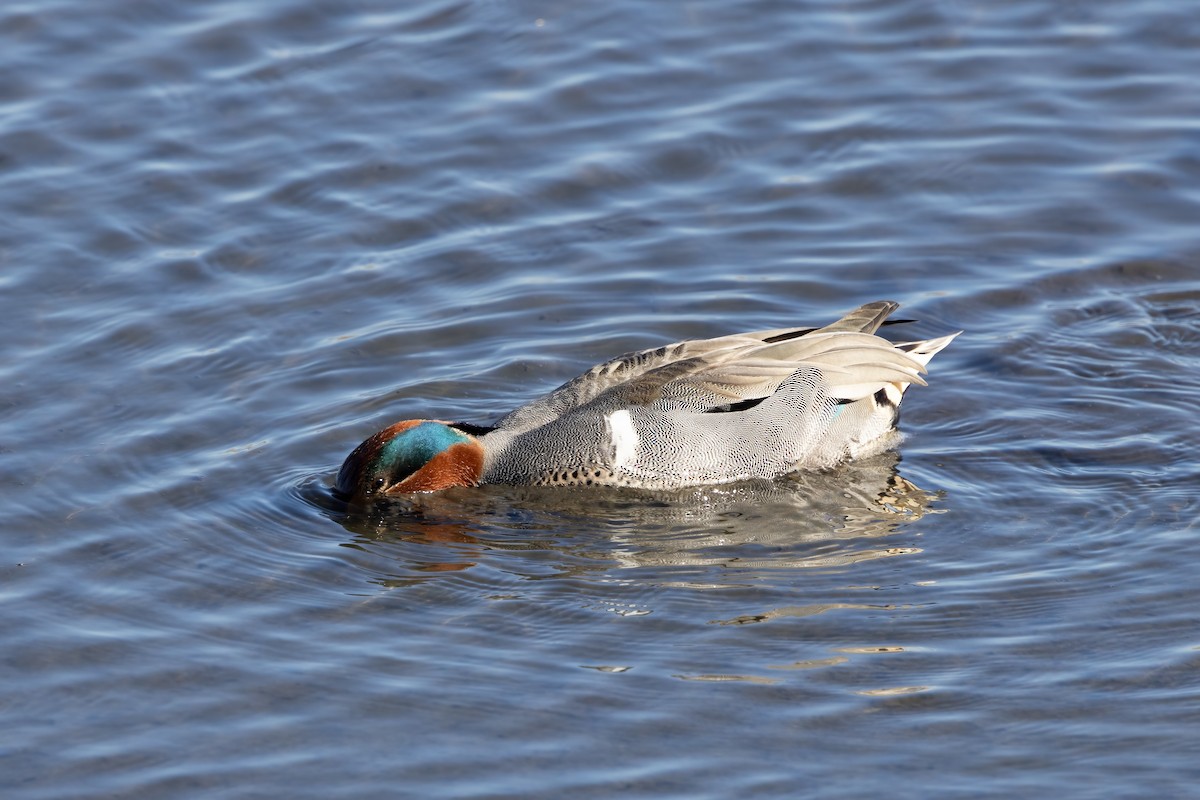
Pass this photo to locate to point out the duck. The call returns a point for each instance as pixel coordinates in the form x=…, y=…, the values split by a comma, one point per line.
x=745, y=406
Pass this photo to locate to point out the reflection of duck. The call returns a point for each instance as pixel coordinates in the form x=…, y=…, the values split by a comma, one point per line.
x=826, y=519
x=752, y=405
x=432, y=544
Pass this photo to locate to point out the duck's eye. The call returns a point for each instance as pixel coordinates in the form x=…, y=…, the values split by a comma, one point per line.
x=379, y=483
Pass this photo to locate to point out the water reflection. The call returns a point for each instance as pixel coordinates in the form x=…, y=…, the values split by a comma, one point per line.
x=811, y=520
x=821, y=520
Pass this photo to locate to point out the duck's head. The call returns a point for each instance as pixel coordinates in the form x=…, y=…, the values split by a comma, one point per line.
x=416, y=455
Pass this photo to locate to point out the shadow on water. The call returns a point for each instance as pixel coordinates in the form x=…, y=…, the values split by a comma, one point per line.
x=821, y=520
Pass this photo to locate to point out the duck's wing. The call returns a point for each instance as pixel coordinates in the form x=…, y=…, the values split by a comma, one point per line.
x=732, y=372
x=631, y=379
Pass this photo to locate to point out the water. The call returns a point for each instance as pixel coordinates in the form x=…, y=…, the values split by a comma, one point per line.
x=237, y=238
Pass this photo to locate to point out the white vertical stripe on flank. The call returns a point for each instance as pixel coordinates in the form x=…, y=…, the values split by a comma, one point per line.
x=624, y=437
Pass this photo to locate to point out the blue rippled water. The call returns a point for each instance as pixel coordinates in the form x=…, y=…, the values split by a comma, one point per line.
x=235, y=239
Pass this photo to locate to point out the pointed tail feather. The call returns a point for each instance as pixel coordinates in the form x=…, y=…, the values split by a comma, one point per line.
x=925, y=350
x=864, y=319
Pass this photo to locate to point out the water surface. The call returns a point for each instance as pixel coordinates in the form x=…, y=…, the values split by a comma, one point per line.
x=236, y=239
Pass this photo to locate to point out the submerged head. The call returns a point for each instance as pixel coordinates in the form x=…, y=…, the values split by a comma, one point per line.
x=417, y=455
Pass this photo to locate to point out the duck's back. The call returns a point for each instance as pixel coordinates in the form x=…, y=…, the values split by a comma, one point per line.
x=751, y=406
